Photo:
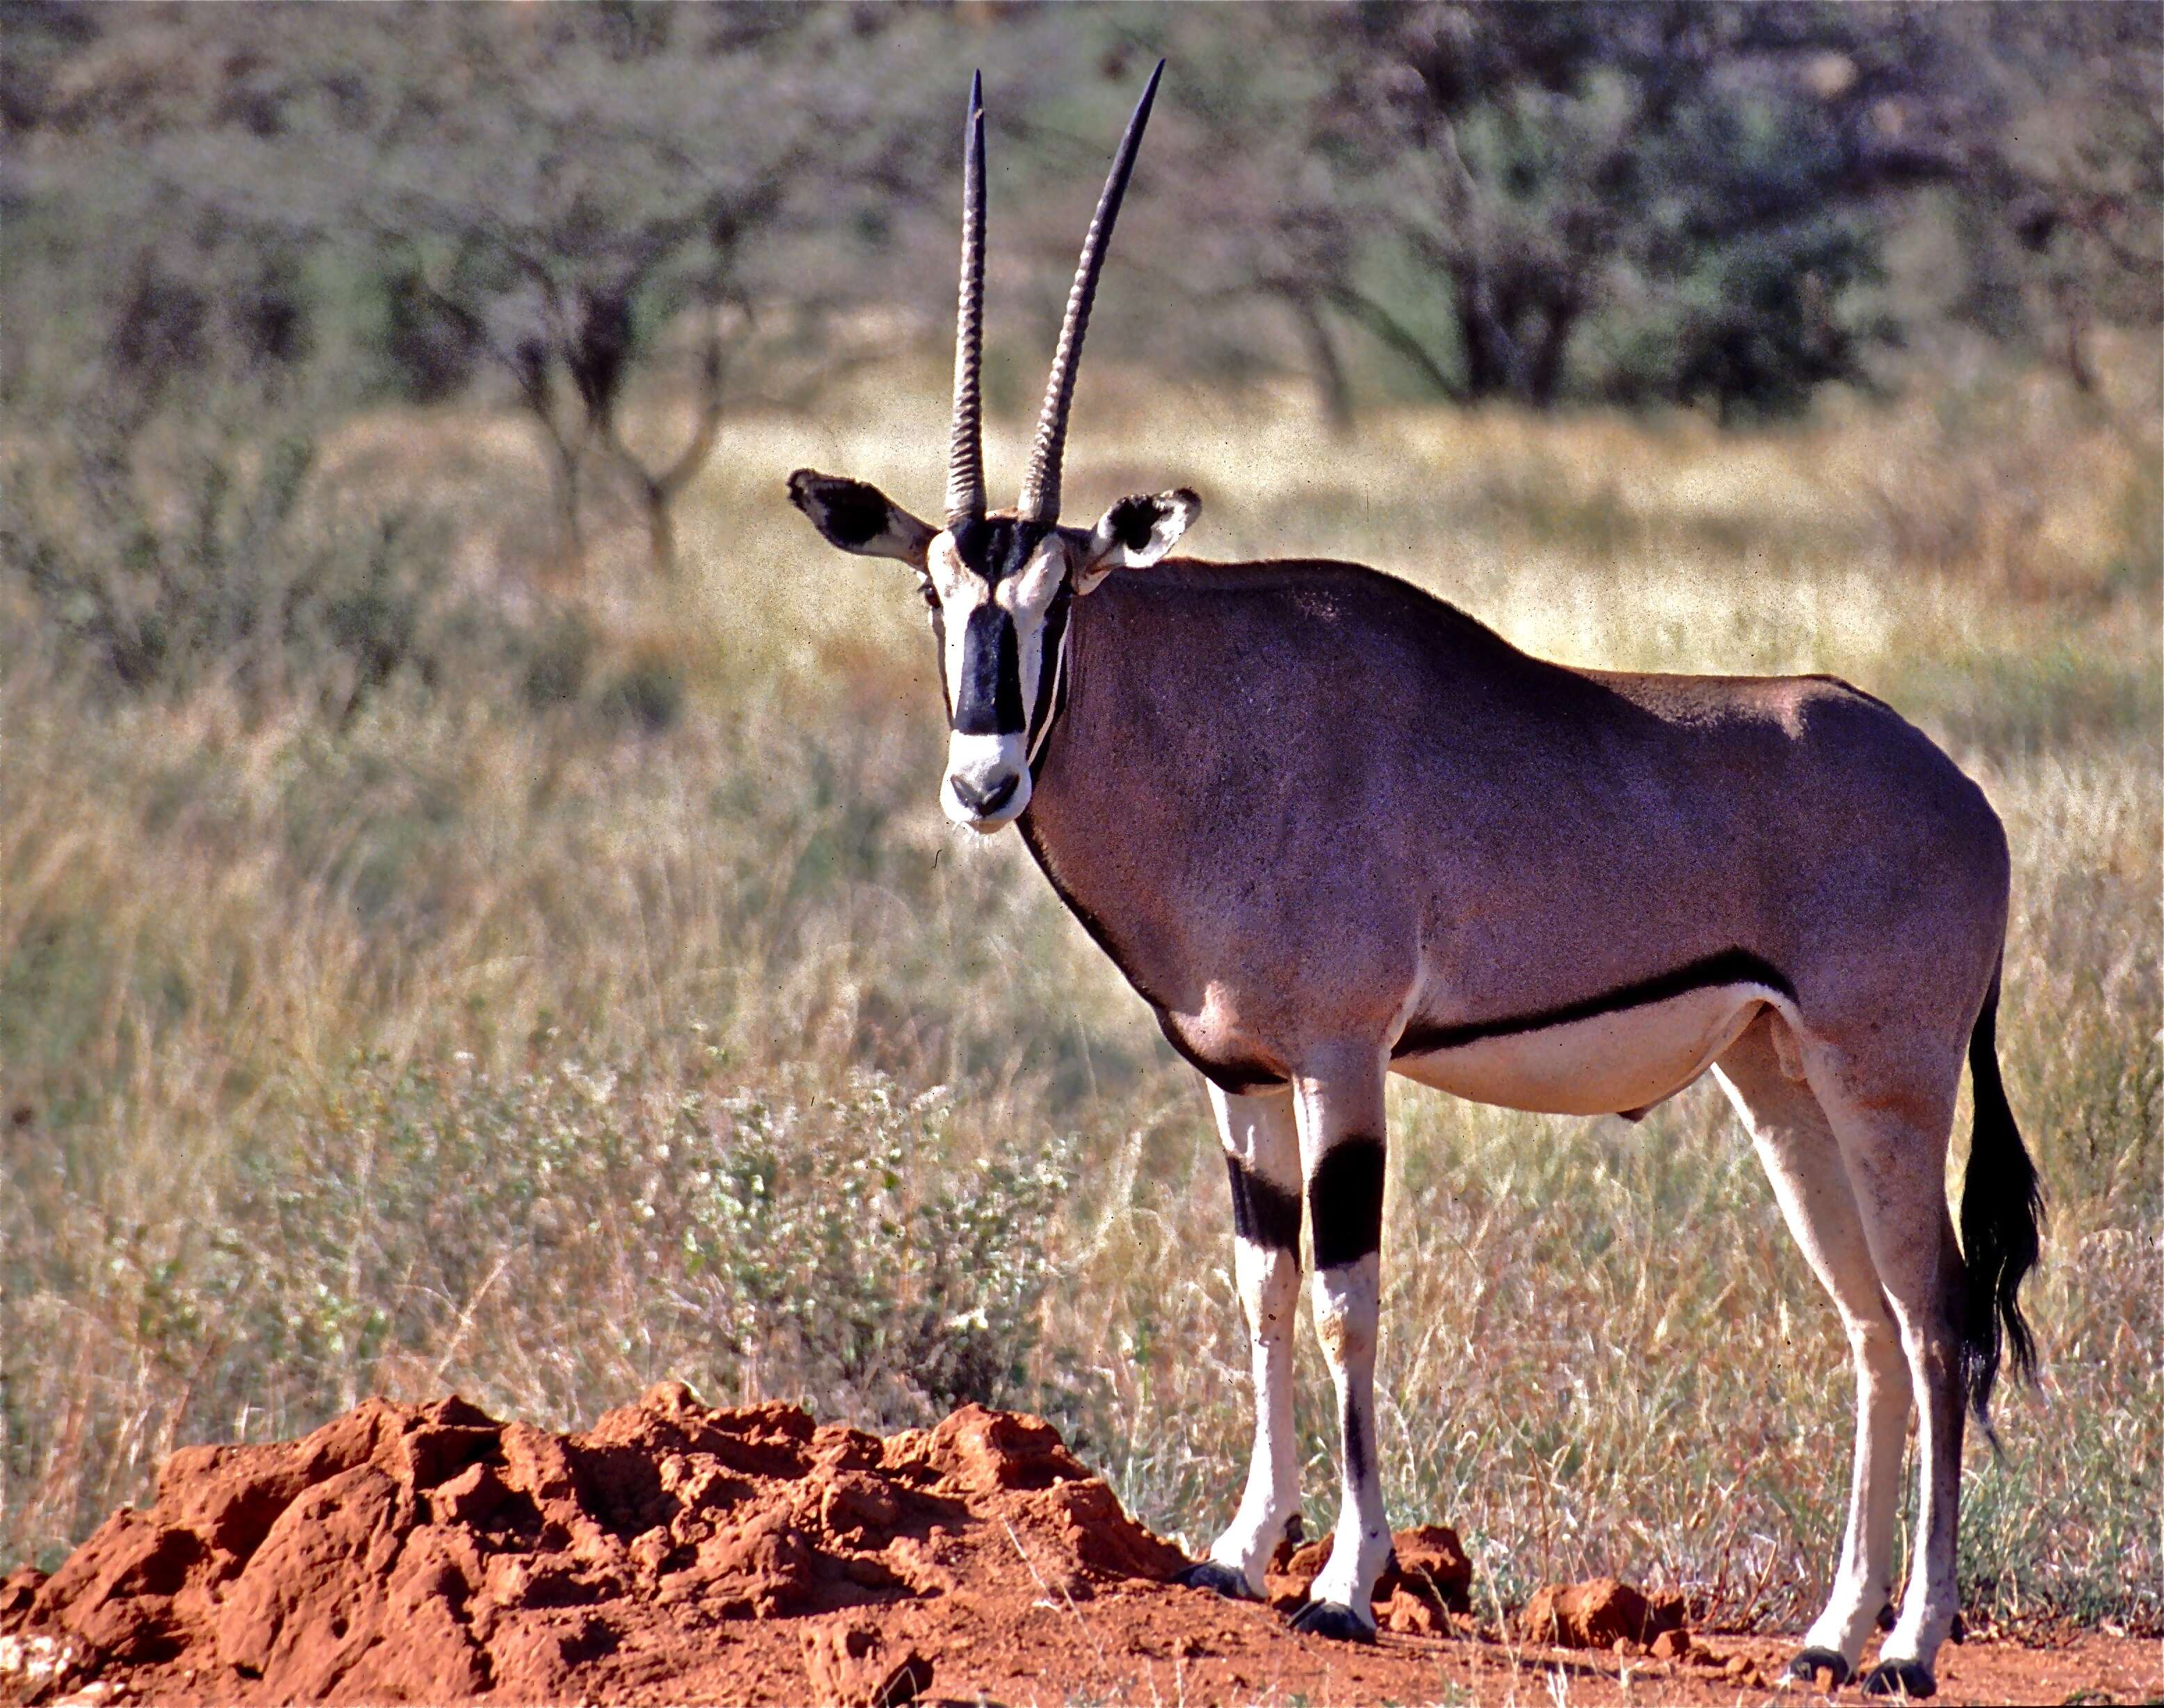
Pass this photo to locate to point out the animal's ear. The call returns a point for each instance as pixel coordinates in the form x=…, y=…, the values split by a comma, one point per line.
x=1135, y=533
x=860, y=518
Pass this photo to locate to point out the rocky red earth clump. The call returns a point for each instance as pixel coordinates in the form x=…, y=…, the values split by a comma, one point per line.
x=1599, y=1615
x=433, y=1553
x=675, y=1553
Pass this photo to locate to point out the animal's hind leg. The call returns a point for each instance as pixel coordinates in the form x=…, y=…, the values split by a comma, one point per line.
x=1341, y=1151
x=1893, y=1123
x=1803, y=1159
x=1262, y=1157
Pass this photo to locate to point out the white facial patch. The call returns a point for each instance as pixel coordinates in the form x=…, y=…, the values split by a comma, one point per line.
x=987, y=781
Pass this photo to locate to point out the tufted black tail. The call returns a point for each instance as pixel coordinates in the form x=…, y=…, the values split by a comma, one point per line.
x=2002, y=1204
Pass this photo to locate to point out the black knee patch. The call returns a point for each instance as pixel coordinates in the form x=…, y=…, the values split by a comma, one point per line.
x=1345, y=1201
x=1262, y=1214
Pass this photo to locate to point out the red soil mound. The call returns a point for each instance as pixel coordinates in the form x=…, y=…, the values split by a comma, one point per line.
x=432, y=1553
x=674, y=1553
x=1599, y=1615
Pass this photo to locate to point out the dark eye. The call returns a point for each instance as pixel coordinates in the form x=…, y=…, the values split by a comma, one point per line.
x=930, y=595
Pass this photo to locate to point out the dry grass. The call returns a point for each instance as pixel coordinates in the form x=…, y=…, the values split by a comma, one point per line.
x=491, y=1038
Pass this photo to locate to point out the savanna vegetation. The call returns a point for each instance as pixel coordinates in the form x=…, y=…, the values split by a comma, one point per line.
x=473, y=909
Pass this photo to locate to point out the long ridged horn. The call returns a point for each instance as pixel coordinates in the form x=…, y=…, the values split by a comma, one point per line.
x=965, y=454
x=1040, y=490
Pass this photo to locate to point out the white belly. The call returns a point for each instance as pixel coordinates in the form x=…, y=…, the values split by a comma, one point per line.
x=1621, y=1062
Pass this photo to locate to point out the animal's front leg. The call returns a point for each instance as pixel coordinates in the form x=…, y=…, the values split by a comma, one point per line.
x=1339, y=1103
x=1262, y=1159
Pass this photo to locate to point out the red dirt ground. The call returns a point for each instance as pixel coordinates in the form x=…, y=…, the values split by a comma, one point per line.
x=676, y=1553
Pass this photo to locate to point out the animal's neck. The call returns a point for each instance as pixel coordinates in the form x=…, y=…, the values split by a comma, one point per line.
x=1081, y=767
x=1096, y=822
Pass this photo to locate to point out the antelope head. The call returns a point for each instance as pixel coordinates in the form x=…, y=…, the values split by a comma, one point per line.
x=999, y=583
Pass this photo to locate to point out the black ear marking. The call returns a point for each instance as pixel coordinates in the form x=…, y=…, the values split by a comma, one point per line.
x=857, y=516
x=849, y=512
x=1132, y=520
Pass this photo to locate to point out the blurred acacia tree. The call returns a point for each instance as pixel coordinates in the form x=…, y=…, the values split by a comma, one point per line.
x=1673, y=202
x=603, y=175
x=551, y=192
x=2058, y=158
x=1669, y=201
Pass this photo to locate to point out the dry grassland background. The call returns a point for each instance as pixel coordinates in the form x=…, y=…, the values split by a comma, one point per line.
x=538, y=984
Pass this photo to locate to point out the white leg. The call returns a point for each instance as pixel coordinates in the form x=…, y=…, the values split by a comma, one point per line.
x=1895, y=1146
x=1341, y=1152
x=1810, y=1181
x=1262, y=1160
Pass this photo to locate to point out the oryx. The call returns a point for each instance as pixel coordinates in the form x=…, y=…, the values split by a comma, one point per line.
x=1329, y=827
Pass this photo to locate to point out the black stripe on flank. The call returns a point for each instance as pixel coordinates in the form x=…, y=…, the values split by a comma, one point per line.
x=1345, y=1201
x=989, y=699
x=1731, y=966
x=1263, y=1213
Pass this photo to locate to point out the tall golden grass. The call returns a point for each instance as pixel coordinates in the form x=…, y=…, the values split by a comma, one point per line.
x=493, y=1038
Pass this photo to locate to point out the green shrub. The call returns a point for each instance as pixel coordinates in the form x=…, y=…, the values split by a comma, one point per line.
x=230, y=569
x=833, y=1249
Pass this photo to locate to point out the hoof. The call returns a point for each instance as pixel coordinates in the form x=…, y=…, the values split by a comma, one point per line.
x=1909, y=1679
x=1333, y=1620
x=1223, y=1579
x=1809, y=1663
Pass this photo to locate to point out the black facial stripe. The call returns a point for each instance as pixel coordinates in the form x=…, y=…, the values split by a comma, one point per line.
x=1007, y=707
x=1345, y=1201
x=989, y=699
x=1731, y=966
x=1263, y=1213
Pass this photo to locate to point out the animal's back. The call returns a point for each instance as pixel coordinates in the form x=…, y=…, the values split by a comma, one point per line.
x=1298, y=705
x=1348, y=656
